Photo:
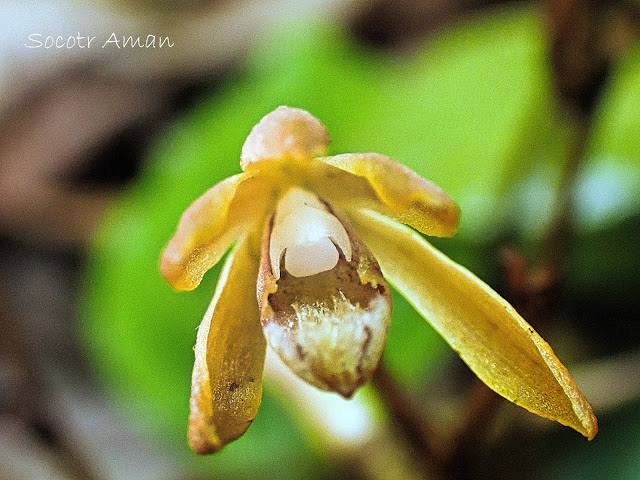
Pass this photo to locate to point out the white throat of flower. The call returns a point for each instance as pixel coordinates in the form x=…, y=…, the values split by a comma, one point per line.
x=307, y=234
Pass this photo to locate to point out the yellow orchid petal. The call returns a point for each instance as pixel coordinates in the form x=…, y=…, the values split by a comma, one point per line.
x=230, y=349
x=406, y=196
x=495, y=342
x=209, y=226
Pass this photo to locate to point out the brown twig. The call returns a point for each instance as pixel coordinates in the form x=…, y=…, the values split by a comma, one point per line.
x=410, y=421
x=482, y=403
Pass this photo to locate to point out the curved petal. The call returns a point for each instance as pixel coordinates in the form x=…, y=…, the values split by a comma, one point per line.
x=497, y=343
x=407, y=196
x=230, y=349
x=209, y=226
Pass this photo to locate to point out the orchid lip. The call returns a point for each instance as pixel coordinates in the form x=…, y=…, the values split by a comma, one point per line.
x=325, y=307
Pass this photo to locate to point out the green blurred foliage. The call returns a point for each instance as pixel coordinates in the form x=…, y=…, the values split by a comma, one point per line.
x=604, y=264
x=614, y=454
x=471, y=110
x=607, y=191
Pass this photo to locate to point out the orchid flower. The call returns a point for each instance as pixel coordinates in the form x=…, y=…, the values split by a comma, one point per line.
x=314, y=238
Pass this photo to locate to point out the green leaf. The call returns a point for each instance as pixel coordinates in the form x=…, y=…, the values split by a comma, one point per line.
x=607, y=189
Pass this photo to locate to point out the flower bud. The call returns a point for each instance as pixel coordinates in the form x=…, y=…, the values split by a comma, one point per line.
x=286, y=132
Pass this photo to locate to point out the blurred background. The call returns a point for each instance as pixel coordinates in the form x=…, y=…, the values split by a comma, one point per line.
x=527, y=113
